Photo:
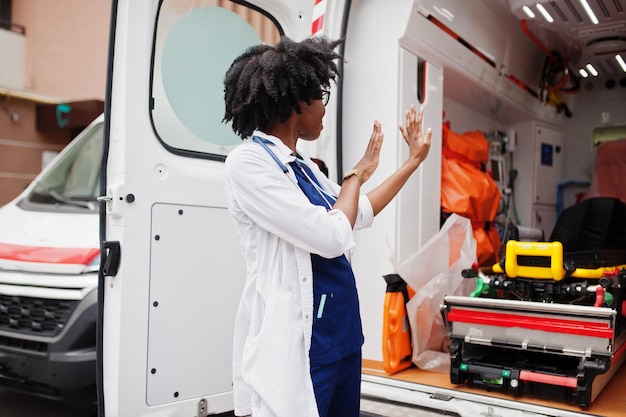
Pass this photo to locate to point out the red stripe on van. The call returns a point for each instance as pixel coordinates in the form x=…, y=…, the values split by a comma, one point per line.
x=553, y=325
x=75, y=256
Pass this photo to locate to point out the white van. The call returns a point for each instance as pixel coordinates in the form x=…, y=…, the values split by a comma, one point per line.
x=172, y=269
x=171, y=293
x=49, y=262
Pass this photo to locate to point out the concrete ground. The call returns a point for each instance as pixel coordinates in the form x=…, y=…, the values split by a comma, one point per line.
x=20, y=405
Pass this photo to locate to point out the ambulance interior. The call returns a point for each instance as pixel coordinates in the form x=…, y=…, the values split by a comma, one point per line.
x=576, y=197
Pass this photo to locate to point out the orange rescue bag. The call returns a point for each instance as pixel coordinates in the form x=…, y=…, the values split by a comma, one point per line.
x=396, y=329
x=467, y=190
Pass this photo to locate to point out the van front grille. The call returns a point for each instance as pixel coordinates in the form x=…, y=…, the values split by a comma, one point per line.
x=35, y=315
x=22, y=344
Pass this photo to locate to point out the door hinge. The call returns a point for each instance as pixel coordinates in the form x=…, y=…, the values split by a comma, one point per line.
x=202, y=408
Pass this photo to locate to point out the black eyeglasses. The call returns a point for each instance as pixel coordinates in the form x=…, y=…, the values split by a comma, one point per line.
x=325, y=96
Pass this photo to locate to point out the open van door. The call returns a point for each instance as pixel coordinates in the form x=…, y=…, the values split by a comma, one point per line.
x=172, y=270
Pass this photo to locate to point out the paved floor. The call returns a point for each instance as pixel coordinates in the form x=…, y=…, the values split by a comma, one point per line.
x=19, y=405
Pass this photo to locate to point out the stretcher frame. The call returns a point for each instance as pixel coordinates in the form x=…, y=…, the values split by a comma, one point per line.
x=533, y=345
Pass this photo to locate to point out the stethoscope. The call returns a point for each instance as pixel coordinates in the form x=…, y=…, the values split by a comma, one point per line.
x=283, y=167
x=263, y=143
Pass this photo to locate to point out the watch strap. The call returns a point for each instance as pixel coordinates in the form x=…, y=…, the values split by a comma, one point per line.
x=355, y=172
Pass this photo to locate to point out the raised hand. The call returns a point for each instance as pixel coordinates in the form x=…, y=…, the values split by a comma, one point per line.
x=419, y=143
x=368, y=164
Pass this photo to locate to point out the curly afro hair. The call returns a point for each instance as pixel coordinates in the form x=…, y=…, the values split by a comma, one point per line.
x=265, y=83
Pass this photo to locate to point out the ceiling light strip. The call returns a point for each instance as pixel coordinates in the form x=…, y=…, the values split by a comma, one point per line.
x=544, y=13
x=592, y=70
x=528, y=12
x=589, y=12
x=621, y=62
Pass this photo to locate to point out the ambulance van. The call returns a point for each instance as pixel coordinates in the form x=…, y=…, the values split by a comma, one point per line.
x=49, y=262
x=172, y=267
x=171, y=270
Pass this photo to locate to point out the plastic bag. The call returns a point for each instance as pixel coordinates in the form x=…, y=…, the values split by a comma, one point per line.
x=434, y=272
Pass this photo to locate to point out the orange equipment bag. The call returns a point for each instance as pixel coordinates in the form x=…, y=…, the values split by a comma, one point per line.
x=467, y=190
x=396, y=330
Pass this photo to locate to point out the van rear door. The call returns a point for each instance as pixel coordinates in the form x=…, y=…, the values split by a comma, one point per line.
x=169, y=295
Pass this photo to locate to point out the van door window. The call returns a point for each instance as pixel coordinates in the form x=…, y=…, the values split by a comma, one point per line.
x=196, y=41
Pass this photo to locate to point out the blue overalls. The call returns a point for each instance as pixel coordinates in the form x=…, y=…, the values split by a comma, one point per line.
x=337, y=335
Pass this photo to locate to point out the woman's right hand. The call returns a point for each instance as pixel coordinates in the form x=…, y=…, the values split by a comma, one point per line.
x=368, y=164
x=419, y=143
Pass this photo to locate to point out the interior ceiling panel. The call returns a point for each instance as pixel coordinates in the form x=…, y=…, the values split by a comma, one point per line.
x=574, y=35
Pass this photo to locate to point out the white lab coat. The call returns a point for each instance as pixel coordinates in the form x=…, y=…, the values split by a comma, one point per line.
x=279, y=228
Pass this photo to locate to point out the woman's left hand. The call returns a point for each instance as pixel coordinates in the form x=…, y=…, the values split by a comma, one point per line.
x=419, y=143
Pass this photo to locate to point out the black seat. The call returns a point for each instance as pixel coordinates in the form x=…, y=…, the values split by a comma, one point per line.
x=593, y=232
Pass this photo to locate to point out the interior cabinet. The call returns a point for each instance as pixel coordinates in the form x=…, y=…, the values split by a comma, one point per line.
x=538, y=159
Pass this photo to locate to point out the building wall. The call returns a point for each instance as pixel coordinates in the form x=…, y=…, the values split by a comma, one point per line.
x=67, y=46
x=66, y=60
x=22, y=149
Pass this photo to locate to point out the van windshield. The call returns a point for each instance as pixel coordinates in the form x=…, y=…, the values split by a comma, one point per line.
x=73, y=179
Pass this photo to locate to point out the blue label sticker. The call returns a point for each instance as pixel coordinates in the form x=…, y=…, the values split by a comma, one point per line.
x=547, y=154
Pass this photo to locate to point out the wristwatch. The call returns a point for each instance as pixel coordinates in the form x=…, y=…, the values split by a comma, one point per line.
x=356, y=173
